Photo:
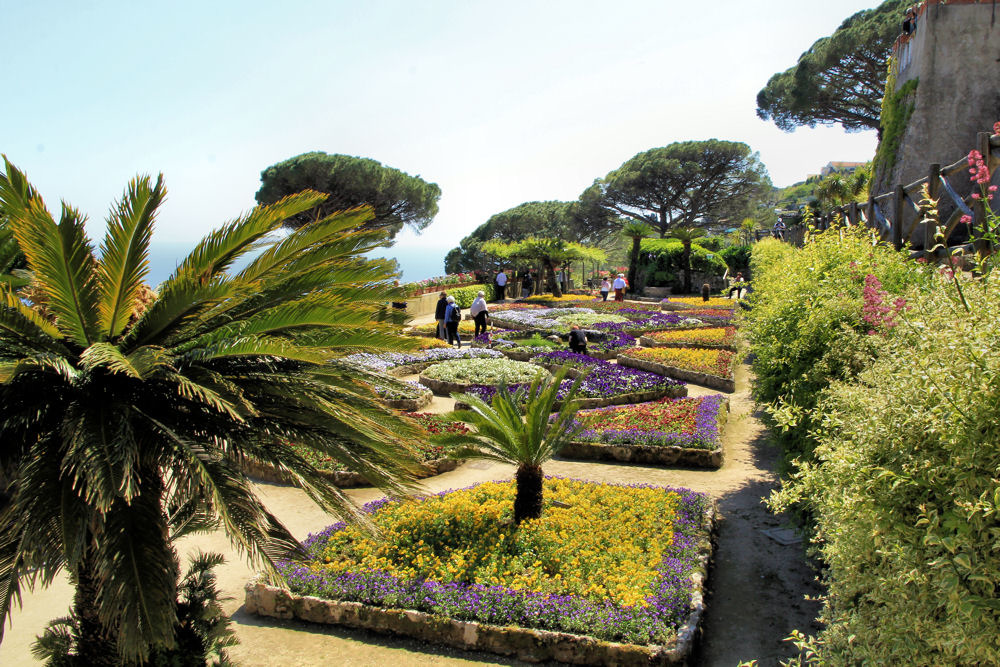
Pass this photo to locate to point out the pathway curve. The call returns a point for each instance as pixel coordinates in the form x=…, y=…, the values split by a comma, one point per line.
x=756, y=586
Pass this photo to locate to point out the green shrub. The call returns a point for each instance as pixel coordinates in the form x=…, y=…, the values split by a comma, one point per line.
x=662, y=258
x=905, y=493
x=805, y=325
x=464, y=296
x=711, y=243
x=737, y=258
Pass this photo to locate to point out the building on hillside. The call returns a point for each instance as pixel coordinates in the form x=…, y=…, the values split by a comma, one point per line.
x=839, y=167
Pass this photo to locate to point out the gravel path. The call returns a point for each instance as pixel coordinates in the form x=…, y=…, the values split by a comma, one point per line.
x=756, y=587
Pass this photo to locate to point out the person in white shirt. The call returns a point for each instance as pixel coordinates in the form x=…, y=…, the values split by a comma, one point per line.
x=479, y=313
x=620, y=284
x=605, y=288
x=501, y=285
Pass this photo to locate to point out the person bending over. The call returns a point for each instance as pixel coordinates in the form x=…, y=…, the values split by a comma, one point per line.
x=577, y=340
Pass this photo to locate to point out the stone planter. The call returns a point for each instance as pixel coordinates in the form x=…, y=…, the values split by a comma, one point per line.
x=410, y=404
x=341, y=478
x=703, y=379
x=650, y=454
x=646, y=341
x=523, y=643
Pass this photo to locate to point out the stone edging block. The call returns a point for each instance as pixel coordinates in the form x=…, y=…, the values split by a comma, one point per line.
x=410, y=404
x=524, y=643
x=703, y=379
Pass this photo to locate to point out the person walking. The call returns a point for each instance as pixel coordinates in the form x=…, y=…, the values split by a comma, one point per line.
x=526, y=286
x=439, y=316
x=605, y=288
x=479, y=313
x=620, y=284
x=452, y=316
x=738, y=286
x=501, y=281
x=577, y=339
x=779, y=230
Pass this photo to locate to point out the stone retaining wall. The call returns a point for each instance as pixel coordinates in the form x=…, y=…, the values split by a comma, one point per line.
x=342, y=478
x=523, y=643
x=410, y=404
x=703, y=379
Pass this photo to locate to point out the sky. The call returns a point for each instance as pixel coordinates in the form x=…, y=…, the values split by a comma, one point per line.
x=497, y=103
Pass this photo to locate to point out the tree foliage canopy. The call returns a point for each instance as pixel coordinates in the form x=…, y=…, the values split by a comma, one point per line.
x=583, y=221
x=685, y=183
x=841, y=78
x=396, y=198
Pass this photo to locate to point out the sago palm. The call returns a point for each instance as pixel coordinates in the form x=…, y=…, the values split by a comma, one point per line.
x=124, y=429
x=518, y=428
x=686, y=235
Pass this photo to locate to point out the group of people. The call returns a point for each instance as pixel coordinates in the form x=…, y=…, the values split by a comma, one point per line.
x=448, y=314
x=619, y=285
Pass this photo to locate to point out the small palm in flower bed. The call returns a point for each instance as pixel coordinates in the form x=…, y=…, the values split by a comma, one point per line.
x=425, y=449
x=581, y=570
x=509, y=339
x=680, y=422
x=712, y=337
x=711, y=362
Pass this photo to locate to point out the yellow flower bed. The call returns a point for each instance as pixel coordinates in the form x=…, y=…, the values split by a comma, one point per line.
x=701, y=360
x=710, y=336
x=545, y=298
x=608, y=544
x=714, y=302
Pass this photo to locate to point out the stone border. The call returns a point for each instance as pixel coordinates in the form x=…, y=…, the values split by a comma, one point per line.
x=524, y=643
x=341, y=478
x=410, y=404
x=646, y=341
x=703, y=379
x=659, y=455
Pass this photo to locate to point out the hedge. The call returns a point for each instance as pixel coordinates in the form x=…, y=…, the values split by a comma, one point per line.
x=464, y=296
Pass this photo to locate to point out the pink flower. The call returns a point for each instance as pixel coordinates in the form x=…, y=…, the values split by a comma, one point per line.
x=965, y=219
x=996, y=127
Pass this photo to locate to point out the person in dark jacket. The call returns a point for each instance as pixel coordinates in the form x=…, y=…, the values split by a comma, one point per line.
x=442, y=303
x=452, y=316
x=577, y=339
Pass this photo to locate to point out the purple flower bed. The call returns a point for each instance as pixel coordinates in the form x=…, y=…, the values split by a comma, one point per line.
x=643, y=320
x=604, y=380
x=386, y=361
x=705, y=434
x=666, y=607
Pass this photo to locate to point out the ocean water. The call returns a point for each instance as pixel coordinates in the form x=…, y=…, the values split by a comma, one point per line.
x=415, y=263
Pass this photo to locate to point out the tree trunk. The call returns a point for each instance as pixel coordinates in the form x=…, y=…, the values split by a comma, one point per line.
x=687, y=267
x=95, y=643
x=556, y=288
x=633, y=262
x=528, y=501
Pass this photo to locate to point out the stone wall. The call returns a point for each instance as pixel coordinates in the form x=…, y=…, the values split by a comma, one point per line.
x=954, y=55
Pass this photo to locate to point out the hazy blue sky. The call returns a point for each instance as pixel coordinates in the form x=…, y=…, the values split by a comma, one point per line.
x=498, y=103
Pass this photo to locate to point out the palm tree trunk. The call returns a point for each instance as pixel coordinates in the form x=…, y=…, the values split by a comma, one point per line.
x=687, y=267
x=633, y=262
x=95, y=644
x=556, y=288
x=528, y=501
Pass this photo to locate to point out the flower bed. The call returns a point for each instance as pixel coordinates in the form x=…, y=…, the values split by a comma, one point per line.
x=684, y=302
x=639, y=321
x=579, y=570
x=709, y=337
x=431, y=455
x=684, y=431
x=710, y=368
x=466, y=328
x=451, y=377
x=522, y=346
x=408, y=363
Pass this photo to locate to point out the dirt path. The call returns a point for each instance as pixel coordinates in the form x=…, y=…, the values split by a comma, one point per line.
x=756, y=587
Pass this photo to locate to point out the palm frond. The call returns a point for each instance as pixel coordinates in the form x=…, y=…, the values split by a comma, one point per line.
x=59, y=255
x=180, y=302
x=217, y=251
x=125, y=252
x=109, y=357
x=31, y=331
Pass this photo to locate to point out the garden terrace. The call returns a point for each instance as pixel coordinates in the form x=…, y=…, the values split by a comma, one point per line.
x=671, y=431
x=523, y=345
x=709, y=368
x=408, y=363
x=708, y=337
x=572, y=584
